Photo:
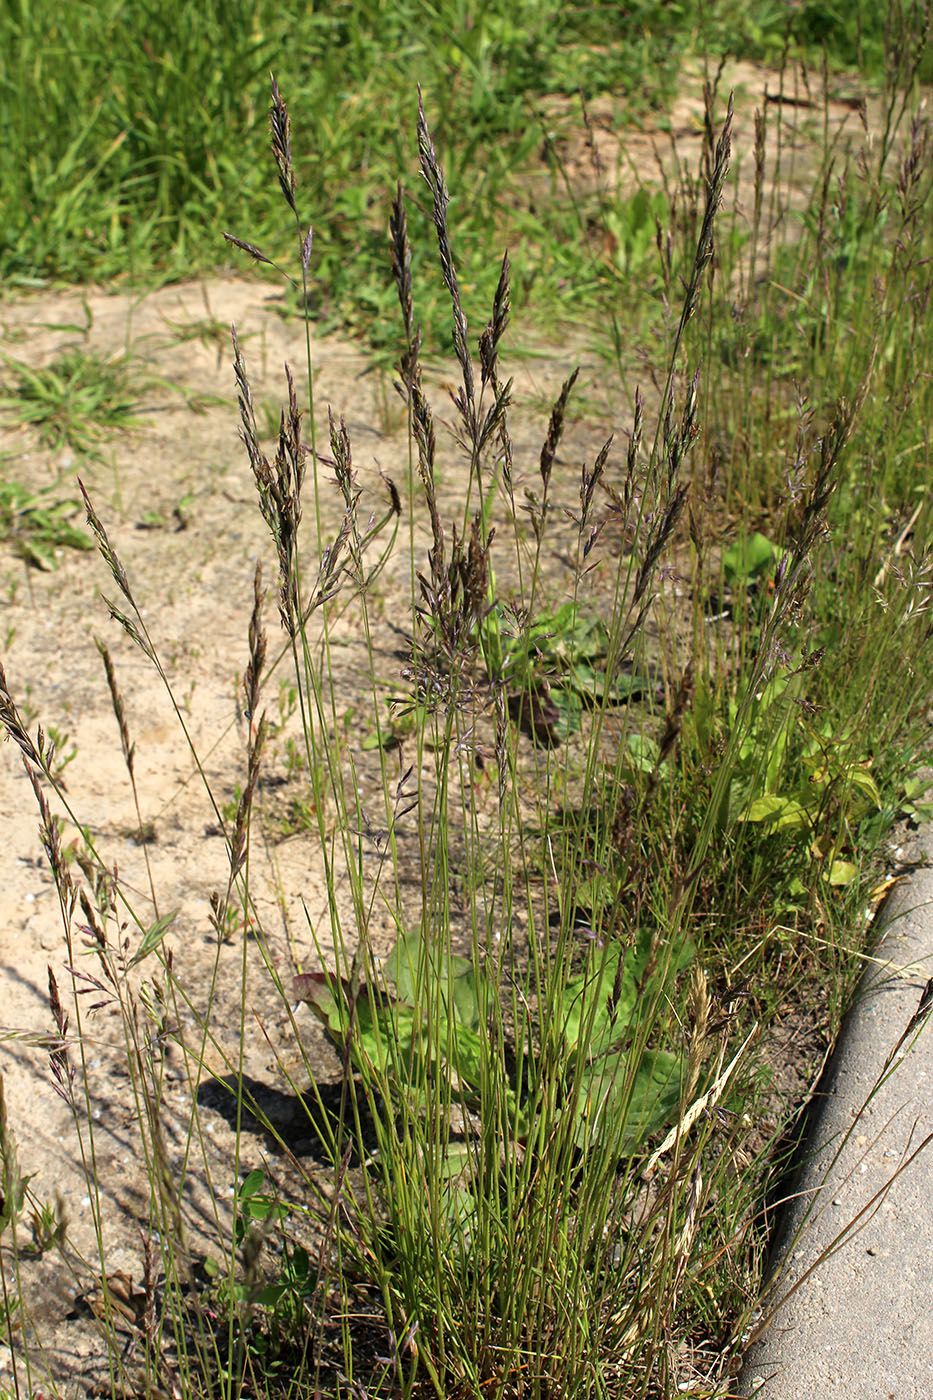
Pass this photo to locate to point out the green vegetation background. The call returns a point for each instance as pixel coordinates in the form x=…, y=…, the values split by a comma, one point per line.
x=135, y=132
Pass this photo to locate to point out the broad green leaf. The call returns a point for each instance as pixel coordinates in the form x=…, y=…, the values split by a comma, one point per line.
x=467, y=1000
x=779, y=812
x=453, y=978
x=643, y=752
x=455, y=1160
x=253, y=1183
x=586, y=1009
x=915, y=802
x=569, y=709
x=41, y=556
x=384, y=1039
x=656, y=1093
x=13, y=1201
x=583, y=678
x=615, y=1108
x=590, y=1023
x=271, y=1294
x=264, y=1208
x=466, y=1056
x=860, y=778
x=318, y=989
x=748, y=558
x=406, y=966
x=842, y=872
x=777, y=743
x=460, y=1206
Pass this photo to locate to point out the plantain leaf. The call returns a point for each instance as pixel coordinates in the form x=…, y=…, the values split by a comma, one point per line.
x=616, y=1107
x=592, y=1016
x=749, y=558
x=453, y=977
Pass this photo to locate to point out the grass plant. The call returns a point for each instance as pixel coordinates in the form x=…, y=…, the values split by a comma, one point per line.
x=117, y=158
x=39, y=528
x=75, y=401
x=621, y=814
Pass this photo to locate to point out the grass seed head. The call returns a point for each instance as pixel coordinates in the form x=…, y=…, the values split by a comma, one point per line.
x=281, y=131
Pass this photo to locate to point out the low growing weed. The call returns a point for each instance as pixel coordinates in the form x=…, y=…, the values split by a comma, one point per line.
x=37, y=526
x=76, y=401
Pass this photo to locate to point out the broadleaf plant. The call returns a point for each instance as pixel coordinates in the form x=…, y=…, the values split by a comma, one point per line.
x=421, y=1020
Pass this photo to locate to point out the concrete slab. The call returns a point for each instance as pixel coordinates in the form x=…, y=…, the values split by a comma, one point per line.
x=860, y=1325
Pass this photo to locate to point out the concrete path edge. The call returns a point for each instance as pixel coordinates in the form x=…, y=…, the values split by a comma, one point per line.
x=859, y=1326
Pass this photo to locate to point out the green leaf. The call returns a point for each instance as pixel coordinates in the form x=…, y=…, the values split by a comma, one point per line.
x=643, y=753
x=779, y=812
x=655, y=1094
x=11, y=1204
x=454, y=978
x=466, y=990
x=467, y=1056
x=153, y=938
x=915, y=802
x=581, y=1017
x=264, y=1208
x=384, y=1039
x=584, y=680
x=860, y=778
x=569, y=708
x=252, y=1183
x=318, y=989
x=460, y=1204
x=842, y=872
x=253, y=1206
x=749, y=558
x=272, y=1293
x=615, y=1108
x=405, y=966
x=589, y=1029
x=37, y=554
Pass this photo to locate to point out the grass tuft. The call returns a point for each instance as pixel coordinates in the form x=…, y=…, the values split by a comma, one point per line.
x=653, y=722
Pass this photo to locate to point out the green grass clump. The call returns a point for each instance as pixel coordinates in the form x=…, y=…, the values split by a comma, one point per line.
x=37, y=526
x=119, y=156
x=76, y=401
x=134, y=133
x=640, y=808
